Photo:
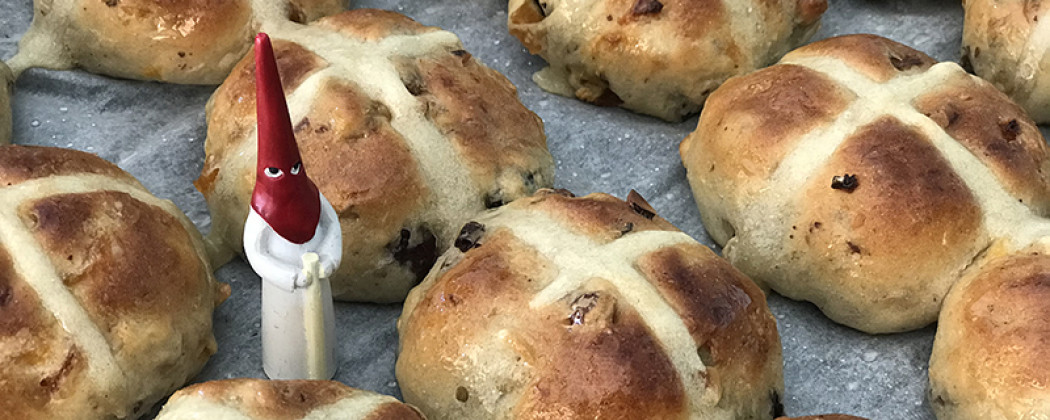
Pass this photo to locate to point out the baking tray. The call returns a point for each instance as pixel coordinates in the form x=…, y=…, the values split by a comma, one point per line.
x=156, y=132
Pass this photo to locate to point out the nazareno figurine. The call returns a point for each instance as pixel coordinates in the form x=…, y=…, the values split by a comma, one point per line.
x=292, y=240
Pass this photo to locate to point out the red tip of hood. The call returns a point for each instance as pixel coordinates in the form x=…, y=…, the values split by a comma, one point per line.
x=284, y=196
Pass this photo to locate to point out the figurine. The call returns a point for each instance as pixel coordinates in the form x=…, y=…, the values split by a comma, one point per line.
x=292, y=240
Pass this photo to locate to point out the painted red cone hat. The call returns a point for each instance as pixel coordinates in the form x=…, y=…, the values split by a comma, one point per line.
x=284, y=196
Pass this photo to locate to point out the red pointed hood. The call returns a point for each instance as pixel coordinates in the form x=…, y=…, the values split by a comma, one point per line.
x=284, y=196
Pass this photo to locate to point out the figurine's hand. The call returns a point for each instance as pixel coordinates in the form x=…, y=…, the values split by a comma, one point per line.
x=301, y=280
x=327, y=269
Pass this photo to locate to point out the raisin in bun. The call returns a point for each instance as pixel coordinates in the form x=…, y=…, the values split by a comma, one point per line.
x=187, y=41
x=586, y=308
x=258, y=399
x=990, y=354
x=7, y=83
x=106, y=295
x=863, y=176
x=403, y=131
x=656, y=57
x=1007, y=42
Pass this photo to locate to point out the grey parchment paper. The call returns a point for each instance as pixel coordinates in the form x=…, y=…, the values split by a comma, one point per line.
x=156, y=132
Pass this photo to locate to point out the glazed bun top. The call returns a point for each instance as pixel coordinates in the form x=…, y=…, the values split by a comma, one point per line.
x=864, y=176
x=1007, y=42
x=106, y=295
x=402, y=130
x=989, y=355
x=259, y=399
x=657, y=57
x=189, y=41
x=556, y=306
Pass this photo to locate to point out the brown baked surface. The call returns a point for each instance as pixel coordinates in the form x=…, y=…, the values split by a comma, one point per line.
x=188, y=41
x=1007, y=42
x=942, y=165
x=106, y=295
x=657, y=57
x=476, y=343
x=405, y=153
x=261, y=399
x=990, y=352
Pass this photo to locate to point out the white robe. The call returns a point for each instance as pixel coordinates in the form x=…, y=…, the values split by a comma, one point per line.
x=279, y=263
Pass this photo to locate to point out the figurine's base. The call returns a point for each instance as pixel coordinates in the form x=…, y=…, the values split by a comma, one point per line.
x=287, y=346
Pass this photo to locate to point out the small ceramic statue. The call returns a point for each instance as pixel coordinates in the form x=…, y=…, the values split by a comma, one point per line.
x=292, y=240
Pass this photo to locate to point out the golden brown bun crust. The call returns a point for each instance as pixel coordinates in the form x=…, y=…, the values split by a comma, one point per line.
x=115, y=254
x=493, y=137
x=395, y=411
x=105, y=247
x=1007, y=42
x=660, y=58
x=766, y=116
x=989, y=356
x=998, y=132
x=370, y=154
x=20, y=163
x=123, y=37
x=942, y=163
x=473, y=346
x=876, y=57
x=30, y=334
x=189, y=41
x=285, y=400
x=269, y=400
x=303, y=11
x=373, y=24
x=906, y=190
